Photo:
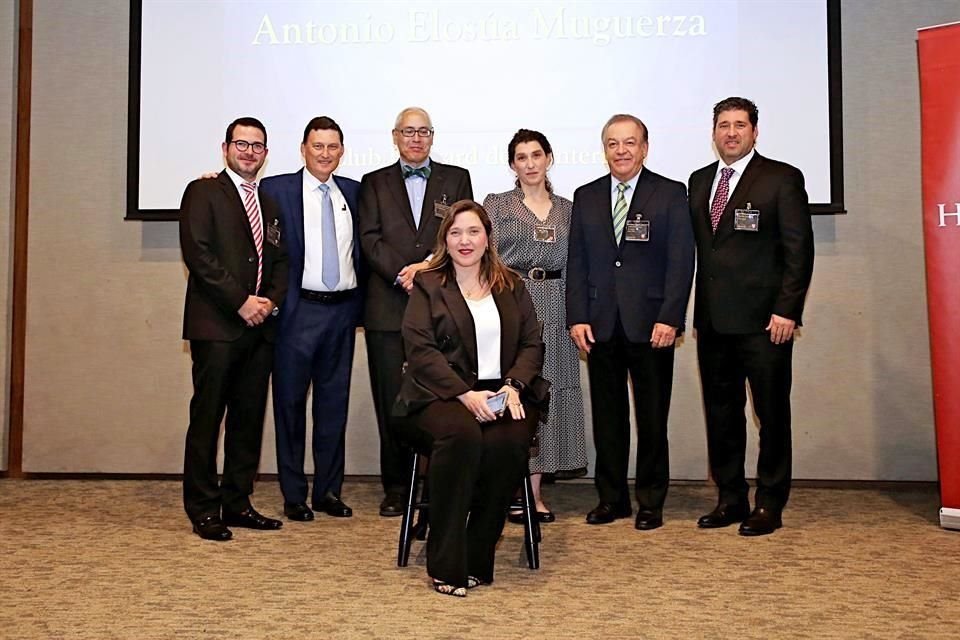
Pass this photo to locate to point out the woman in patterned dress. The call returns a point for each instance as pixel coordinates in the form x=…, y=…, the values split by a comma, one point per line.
x=531, y=226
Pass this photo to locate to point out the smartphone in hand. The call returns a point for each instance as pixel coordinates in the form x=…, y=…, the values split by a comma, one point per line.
x=498, y=402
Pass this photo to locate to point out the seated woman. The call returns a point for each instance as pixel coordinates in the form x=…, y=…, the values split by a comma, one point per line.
x=470, y=332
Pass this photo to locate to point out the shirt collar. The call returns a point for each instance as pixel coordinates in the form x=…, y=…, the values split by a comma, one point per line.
x=237, y=180
x=404, y=163
x=311, y=182
x=632, y=182
x=740, y=165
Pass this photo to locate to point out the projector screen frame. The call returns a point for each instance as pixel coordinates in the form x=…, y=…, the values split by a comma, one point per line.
x=835, y=110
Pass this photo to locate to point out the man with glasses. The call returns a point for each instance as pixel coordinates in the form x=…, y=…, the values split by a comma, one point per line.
x=318, y=320
x=401, y=206
x=231, y=242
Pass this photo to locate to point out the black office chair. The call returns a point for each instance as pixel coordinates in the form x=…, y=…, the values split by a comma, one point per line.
x=418, y=501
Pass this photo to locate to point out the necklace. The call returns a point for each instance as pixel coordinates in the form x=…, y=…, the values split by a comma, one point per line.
x=476, y=289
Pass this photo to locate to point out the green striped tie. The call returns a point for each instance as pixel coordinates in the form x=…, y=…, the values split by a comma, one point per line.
x=620, y=211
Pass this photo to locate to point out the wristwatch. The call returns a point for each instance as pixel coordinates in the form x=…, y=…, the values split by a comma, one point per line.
x=516, y=384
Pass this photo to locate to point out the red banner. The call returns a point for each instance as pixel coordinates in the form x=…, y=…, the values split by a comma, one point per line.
x=939, y=52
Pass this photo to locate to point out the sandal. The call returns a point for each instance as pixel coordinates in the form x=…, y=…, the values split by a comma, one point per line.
x=515, y=511
x=473, y=583
x=448, y=589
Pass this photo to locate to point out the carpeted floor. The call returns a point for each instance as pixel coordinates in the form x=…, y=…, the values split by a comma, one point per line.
x=98, y=559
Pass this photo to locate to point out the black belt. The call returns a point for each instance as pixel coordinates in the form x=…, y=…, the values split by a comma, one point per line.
x=326, y=297
x=539, y=273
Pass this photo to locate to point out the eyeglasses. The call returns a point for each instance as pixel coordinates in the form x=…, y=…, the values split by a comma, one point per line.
x=243, y=145
x=409, y=132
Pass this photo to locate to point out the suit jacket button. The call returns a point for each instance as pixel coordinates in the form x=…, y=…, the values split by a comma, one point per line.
x=419, y=244
x=617, y=263
x=249, y=259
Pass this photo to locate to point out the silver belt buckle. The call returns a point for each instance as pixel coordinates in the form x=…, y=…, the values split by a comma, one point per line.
x=537, y=273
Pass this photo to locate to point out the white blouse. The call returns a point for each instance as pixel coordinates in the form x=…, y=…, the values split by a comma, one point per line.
x=486, y=320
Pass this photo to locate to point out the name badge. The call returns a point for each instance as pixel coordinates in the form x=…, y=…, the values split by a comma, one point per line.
x=273, y=232
x=637, y=231
x=441, y=208
x=545, y=233
x=746, y=219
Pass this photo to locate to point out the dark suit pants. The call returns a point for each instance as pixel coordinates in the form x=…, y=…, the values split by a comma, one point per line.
x=651, y=376
x=315, y=345
x=385, y=359
x=231, y=378
x=474, y=470
x=726, y=363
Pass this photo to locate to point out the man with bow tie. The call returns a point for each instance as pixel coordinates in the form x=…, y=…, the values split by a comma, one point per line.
x=401, y=206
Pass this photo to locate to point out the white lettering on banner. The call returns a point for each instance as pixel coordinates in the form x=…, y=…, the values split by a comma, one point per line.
x=944, y=214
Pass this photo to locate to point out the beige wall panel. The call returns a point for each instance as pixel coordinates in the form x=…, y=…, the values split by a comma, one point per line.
x=108, y=378
x=8, y=121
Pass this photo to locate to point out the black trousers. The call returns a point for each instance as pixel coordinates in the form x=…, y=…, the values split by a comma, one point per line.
x=385, y=359
x=651, y=376
x=474, y=470
x=231, y=378
x=726, y=363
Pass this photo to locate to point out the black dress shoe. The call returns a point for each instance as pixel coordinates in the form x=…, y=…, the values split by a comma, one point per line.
x=605, y=513
x=724, y=516
x=212, y=528
x=762, y=521
x=250, y=519
x=392, y=505
x=332, y=505
x=298, y=511
x=648, y=519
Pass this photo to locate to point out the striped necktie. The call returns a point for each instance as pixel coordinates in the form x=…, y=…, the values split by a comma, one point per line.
x=256, y=225
x=620, y=211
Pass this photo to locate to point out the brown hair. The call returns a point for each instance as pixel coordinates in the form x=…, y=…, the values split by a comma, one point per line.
x=493, y=272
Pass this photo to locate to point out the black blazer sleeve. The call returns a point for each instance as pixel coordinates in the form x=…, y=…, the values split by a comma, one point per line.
x=578, y=310
x=198, y=242
x=381, y=257
x=796, y=237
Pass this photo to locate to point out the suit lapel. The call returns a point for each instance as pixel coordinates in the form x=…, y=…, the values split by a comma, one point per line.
x=640, y=197
x=295, y=195
x=725, y=226
x=603, y=207
x=433, y=193
x=461, y=316
x=344, y=187
x=702, y=202
x=509, y=328
x=399, y=190
x=233, y=196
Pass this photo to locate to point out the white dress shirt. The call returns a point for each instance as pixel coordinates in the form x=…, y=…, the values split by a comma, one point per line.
x=486, y=321
x=313, y=236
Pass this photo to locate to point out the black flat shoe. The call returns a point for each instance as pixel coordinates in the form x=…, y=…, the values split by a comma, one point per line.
x=250, y=519
x=605, y=513
x=648, y=519
x=332, y=505
x=762, y=522
x=212, y=528
x=392, y=505
x=546, y=516
x=724, y=515
x=298, y=511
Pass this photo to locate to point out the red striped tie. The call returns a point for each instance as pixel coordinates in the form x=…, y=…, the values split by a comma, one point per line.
x=256, y=225
x=720, y=197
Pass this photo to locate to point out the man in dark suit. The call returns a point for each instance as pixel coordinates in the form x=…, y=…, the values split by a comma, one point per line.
x=629, y=271
x=401, y=206
x=318, y=320
x=231, y=242
x=755, y=258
